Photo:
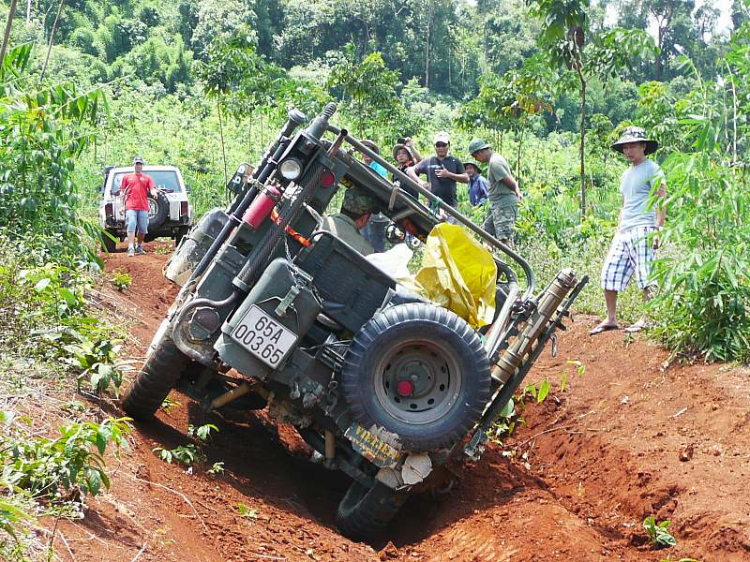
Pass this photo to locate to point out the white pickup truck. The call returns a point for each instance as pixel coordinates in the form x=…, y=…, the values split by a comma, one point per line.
x=169, y=215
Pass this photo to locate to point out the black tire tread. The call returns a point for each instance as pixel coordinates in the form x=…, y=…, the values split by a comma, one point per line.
x=157, y=377
x=363, y=514
x=162, y=211
x=354, y=389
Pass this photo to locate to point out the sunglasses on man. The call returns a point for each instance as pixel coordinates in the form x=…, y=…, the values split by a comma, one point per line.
x=441, y=145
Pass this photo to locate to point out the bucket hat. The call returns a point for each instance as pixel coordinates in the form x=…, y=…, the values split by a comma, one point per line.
x=479, y=169
x=371, y=145
x=398, y=147
x=635, y=134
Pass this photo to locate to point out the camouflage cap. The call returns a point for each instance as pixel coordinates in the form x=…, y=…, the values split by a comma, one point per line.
x=359, y=202
x=478, y=144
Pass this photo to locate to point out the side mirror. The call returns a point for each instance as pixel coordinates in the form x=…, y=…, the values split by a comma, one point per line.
x=187, y=189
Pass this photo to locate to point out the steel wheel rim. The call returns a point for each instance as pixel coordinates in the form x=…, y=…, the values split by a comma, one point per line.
x=152, y=207
x=434, y=374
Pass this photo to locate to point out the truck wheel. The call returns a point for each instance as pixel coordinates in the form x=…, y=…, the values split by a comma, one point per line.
x=364, y=512
x=158, y=210
x=157, y=377
x=419, y=371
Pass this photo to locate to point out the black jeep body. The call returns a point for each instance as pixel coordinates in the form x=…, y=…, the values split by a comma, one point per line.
x=383, y=384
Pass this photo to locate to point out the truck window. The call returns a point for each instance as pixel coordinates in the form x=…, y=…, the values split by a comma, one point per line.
x=166, y=180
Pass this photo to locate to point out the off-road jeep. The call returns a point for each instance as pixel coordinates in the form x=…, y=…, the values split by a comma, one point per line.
x=384, y=385
x=169, y=214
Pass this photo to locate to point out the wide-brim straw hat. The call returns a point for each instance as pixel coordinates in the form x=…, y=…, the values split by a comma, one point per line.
x=398, y=147
x=635, y=134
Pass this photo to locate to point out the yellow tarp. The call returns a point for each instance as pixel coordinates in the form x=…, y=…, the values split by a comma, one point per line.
x=459, y=274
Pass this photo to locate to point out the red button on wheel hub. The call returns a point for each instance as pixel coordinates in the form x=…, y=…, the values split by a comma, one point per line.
x=405, y=388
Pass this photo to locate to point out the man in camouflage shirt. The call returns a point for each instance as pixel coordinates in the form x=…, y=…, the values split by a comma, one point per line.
x=356, y=210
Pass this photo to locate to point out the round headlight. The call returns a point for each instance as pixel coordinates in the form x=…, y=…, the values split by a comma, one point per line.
x=290, y=169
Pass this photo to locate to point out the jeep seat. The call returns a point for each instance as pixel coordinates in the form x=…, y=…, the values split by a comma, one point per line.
x=351, y=288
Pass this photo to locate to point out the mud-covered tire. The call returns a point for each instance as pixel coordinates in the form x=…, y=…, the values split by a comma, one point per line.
x=158, y=210
x=364, y=513
x=159, y=374
x=419, y=371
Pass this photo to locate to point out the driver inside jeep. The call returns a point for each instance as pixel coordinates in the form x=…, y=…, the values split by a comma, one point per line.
x=351, y=219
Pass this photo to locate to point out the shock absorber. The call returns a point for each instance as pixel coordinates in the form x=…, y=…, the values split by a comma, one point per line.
x=512, y=357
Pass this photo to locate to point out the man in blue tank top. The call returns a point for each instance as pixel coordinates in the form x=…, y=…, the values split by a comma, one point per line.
x=641, y=217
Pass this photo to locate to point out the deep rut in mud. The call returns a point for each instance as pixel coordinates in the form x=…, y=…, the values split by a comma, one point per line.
x=626, y=439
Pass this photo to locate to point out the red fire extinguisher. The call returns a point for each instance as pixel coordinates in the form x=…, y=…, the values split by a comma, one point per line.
x=261, y=207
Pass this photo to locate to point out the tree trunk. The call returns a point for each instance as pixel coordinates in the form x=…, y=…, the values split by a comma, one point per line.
x=583, y=139
x=657, y=69
x=221, y=137
x=734, y=115
x=518, y=154
x=427, y=55
x=463, y=72
x=51, y=39
x=450, y=61
x=8, y=25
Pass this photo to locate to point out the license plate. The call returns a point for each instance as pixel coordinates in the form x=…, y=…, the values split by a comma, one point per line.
x=264, y=337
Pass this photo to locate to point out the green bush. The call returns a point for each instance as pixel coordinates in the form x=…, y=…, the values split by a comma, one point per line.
x=53, y=469
x=704, y=302
x=43, y=129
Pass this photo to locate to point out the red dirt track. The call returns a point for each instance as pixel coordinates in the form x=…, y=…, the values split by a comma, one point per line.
x=630, y=437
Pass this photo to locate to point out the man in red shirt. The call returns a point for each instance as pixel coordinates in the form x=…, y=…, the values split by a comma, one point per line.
x=134, y=191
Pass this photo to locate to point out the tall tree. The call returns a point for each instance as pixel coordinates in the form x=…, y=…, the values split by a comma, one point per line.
x=8, y=26
x=368, y=86
x=563, y=36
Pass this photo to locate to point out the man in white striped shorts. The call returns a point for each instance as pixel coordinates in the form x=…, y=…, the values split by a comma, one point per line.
x=641, y=218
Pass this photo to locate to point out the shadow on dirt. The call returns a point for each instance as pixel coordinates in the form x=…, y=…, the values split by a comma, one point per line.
x=492, y=482
x=272, y=463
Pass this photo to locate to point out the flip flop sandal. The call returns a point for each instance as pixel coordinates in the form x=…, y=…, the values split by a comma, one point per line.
x=635, y=328
x=603, y=328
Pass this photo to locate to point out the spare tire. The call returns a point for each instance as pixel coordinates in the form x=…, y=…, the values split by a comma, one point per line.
x=158, y=210
x=419, y=371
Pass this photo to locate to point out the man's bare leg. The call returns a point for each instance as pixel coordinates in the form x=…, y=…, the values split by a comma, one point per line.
x=648, y=294
x=131, y=245
x=139, y=249
x=610, y=298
